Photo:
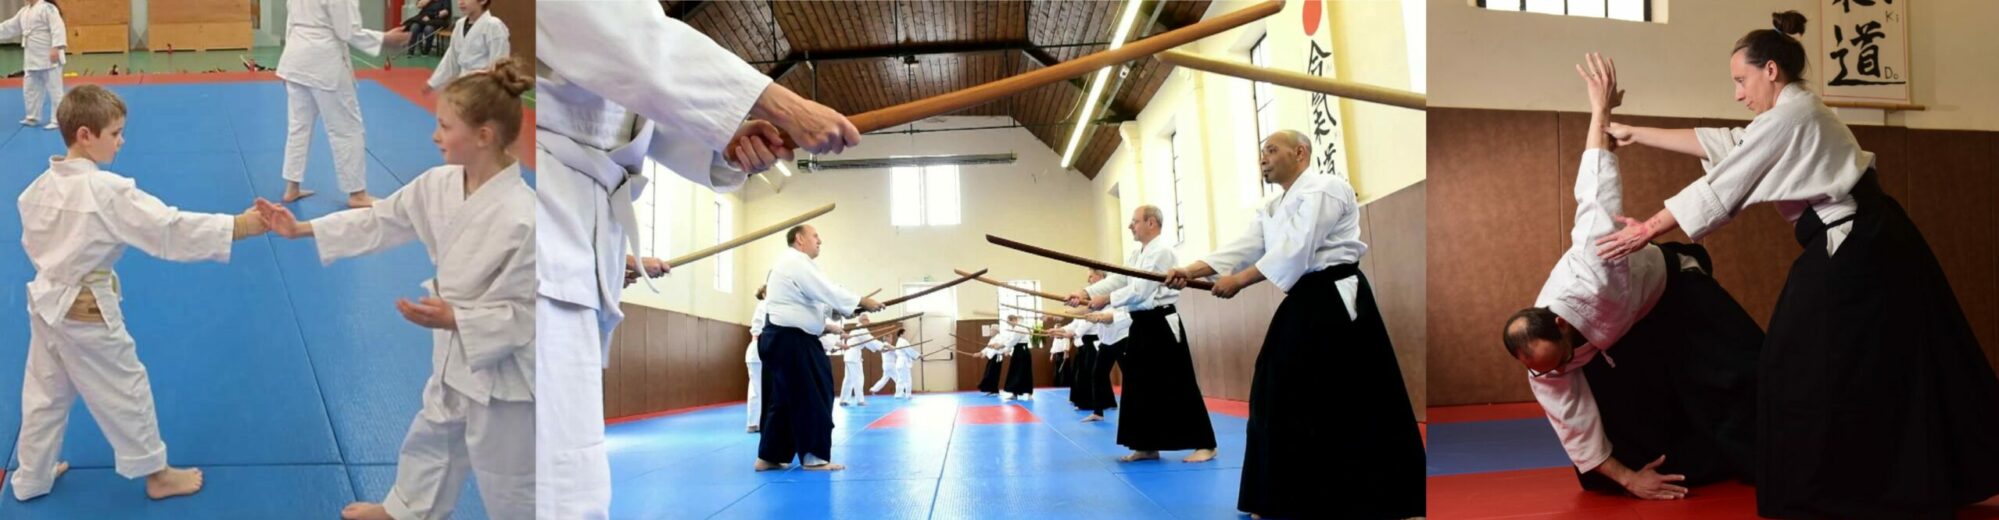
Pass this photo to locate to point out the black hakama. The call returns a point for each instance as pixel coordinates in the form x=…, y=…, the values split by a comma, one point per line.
x=1020, y=373
x=1163, y=409
x=1102, y=396
x=1062, y=368
x=990, y=381
x=1875, y=400
x=1371, y=439
x=1682, y=382
x=1083, y=364
x=797, y=396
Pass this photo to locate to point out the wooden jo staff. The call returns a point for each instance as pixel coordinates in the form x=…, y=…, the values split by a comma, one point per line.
x=748, y=237
x=879, y=324
x=909, y=346
x=953, y=101
x=1003, y=285
x=932, y=289
x=1069, y=315
x=1085, y=262
x=1341, y=88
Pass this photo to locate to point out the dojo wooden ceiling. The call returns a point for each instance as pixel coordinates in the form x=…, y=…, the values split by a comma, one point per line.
x=865, y=55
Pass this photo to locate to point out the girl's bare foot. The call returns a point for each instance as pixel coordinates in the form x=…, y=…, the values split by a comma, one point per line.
x=1200, y=456
x=360, y=199
x=824, y=467
x=763, y=465
x=365, y=511
x=173, y=482
x=1093, y=418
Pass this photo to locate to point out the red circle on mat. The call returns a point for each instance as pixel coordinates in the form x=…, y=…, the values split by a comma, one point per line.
x=1311, y=17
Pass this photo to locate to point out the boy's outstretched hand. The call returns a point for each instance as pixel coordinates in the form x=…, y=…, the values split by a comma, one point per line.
x=429, y=313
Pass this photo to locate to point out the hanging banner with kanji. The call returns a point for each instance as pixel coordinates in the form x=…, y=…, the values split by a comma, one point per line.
x=1864, y=53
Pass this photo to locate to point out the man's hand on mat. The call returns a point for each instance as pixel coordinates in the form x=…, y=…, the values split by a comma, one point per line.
x=1634, y=236
x=1650, y=485
x=429, y=313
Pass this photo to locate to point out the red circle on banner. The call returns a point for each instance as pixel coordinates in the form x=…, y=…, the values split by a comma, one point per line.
x=1311, y=17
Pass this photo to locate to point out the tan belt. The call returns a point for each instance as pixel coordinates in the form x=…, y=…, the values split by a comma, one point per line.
x=85, y=308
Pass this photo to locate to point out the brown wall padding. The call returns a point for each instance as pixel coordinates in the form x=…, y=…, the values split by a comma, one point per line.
x=664, y=360
x=1503, y=182
x=199, y=11
x=518, y=15
x=97, y=12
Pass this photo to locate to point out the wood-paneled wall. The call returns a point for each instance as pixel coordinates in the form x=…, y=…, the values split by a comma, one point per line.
x=1226, y=335
x=664, y=360
x=1504, y=183
x=970, y=367
x=654, y=366
x=518, y=15
x=199, y=25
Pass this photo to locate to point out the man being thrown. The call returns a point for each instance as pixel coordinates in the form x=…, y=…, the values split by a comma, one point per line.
x=1677, y=401
x=798, y=379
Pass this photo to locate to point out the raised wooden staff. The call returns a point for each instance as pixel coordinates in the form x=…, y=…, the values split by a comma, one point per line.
x=1085, y=262
x=953, y=101
x=932, y=289
x=747, y=237
x=1003, y=285
x=1069, y=315
x=961, y=342
x=909, y=346
x=878, y=324
x=1301, y=81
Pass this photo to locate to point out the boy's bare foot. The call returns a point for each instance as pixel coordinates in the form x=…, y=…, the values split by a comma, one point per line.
x=824, y=467
x=173, y=482
x=764, y=465
x=1200, y=456
x=360, y=199
x=293, y=193
x=1139, y=455
x=365, y=511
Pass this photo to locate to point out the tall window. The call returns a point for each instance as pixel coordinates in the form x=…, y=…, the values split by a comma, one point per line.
x=1020, y=299
x=1261, y=96
x=1632, y=10
x=1179, y=224
x=925, y=196
x=725, y=228
x=655, y=230
x=940, y=303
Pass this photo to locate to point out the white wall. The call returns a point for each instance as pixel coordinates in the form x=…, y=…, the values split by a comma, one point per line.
x=1032, y=200
x=1525, y=61
x=685, y=223
x=1383, y=145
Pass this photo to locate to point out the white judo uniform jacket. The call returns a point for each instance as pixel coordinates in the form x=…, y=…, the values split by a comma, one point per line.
x=483, y=247
x=619, y=84
x=317, y=35
x=472, y=49
x=40, y=29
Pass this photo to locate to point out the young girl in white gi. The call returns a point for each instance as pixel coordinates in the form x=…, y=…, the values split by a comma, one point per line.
x=475, y=217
